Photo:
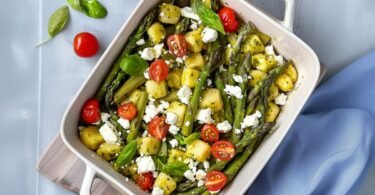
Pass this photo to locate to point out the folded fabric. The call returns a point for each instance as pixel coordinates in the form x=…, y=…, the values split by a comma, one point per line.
x=331, y=146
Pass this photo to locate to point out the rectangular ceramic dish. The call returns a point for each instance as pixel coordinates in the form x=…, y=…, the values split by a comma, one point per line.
x=284, y=41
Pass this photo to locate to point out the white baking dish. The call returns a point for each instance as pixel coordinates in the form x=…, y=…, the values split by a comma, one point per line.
x=284, y=40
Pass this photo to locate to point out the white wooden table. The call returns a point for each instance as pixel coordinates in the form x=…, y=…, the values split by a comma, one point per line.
x=37, y=84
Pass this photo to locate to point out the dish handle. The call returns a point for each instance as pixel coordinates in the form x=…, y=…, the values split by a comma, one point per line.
x=289, y=15
x=88, y=179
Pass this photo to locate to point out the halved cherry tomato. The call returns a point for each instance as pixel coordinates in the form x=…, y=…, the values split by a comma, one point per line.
x=127, y=111
x=209, y=133
x=158, y=128
x=223, y=150
x=177, y=45
x=91, y=111
x=158, y=70
x=85, y=45
x=228, y=18
x=145, y=181
x=215, y=181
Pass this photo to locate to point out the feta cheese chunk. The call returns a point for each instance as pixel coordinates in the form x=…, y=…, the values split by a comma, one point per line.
x=237, y=78
x=188, y=12
x=189, y=175
x=200, y=174
x=251, y=120
x=204, y=116
x=238, y=131
x=279, y=59
x=281, y=99
x=174, y=143
x=233, y=91
x=104, y=116
x=184, y=94
x=209, y=82
x=206, y=164
x=269, y=50
x=157, y=191
x=209, y=35
x=124, y=123
x=173, y=129
x=224, y=127
x=163, y=106
x=148, y=53
x=108, y=133
x=140, y=42
x=145, y=164
x=150, y=112
x=200, y=183
x=146, y=74
x=158, y=49
x=171, y=118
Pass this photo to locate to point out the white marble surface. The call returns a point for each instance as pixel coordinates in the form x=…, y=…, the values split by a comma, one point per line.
x=37, y=83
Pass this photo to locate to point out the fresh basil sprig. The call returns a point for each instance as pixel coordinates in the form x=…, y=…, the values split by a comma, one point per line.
x=187, y=140
x=175, y=168
x=126, y=154
x=75, y=5
x=208, y=17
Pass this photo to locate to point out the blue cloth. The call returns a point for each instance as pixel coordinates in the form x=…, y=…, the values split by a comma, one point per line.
x=331, y=146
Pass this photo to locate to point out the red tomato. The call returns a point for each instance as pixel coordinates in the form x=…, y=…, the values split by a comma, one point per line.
x=145, y=181
x=209, y=133
x=228, y=18
x=158, y=128
x=85, y=44
x=158, y=70
x=215, y=181
x=223, y=150
x=91, y=111
x=177, y=45
x=127, y=111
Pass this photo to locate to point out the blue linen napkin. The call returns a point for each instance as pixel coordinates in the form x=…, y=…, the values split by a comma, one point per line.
x=331, y=146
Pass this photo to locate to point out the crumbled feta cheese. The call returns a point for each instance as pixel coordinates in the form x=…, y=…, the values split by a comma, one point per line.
x=224, y=127
x=200, y=174
x=179, y=60
x=157, y=191
x=173, y=129
x=222, y=69
x=251, y=120
x=237, y=78
x=189, y=175
x=200, y=183
x=187, y=123
x=209, y=35
x=145, y=164
x=193, y=26
x=163, y=106
x=204, y=116
x=191, y=163
x=233, y=91
x=171, y=118
x=209, y=82
x=238, y=131
x=150, y=112
x=155, y=174
x=174, y=143
x=281, y=99
x=145, y=133
x=188, y=12
x=140, y=42
x=104, y=116
x=108, y=133
x=184, y=94
x=229, y=45
x=148, y=53
x=279, y=59
x=124, y=123
x=206, y=164
x=269, y=50
x=158, y=49
x=146, y=74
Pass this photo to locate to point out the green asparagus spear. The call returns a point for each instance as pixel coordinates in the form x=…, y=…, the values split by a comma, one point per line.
x=171, y=97
x=182, y=26
x=136, y=123
x=228, y=114
x=113, y=120
x=253, y=135
x=108, y=99
x=215, y=54
x=129, y=86
x=131, y=44
x=183, y=187
x=239, y=111
x=194, y=191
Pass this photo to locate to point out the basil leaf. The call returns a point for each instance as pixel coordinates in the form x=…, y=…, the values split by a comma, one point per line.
x=133, y=65
x=192, y=137
x=159, y=162
x=175, y=168
x=208, y=17
x=75, y=5
x=126, y=154
x=93, y=8
x=180, y=138
x=163, y=149
x=58, y=20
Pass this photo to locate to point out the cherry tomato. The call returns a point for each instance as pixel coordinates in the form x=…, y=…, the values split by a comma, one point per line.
x=145, y=181
x=91, y=111
x=158, y=128
x=177, y=45
x=85, y=44
x=209, y=133
x=228, y=18
x=215, y=181
x=223, y=150
x=158, y=70
x=127, y=111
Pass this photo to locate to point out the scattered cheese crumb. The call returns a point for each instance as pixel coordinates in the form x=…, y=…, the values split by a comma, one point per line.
x=204, y=116
x=224, y=127
x=140, y=42
x=146, y=74
x=209, y=35
x=188, y=12
x=251, y=120
x=173, y=129
x=173, y=143
x=157, y=191
x=124, y=123
x=171, y=118
x=281, y=99
x=189, y=175
x=145, y=164
x=108, y=133
x=237, y=78
x=184, y=94
x=233, y=91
